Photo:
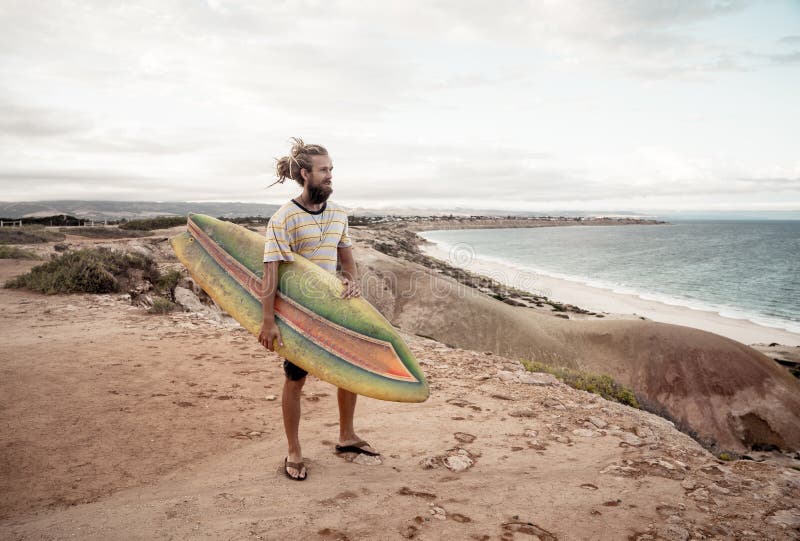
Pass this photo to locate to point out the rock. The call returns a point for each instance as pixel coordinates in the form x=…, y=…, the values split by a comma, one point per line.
x=599, y=423
x=785, y=518
x=270, y=397
x=620, y=471
x=482, y=377
x=527, y=413
x=718, y=489
x=141, y=250
x=689, y=484
x=366, y=460
x=458, y=463
x=530, y=433
x=538, y=378
x=429, y=463
x=505, y=375
x=438, y=512
x=632, y=440
x=555, y=404
x=584, y=432
x=674, y=532
x=188, y=300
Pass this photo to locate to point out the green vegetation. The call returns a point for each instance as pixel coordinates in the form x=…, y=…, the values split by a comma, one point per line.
x=12, y=252
x=167, y=282
x=603, y=385
x=725, y=456
x=149, y=224
x=33, y=234
x=162, y=305
x=88, y=271
x=103, y=232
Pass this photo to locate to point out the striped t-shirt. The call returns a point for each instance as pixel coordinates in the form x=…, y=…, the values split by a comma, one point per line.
x=314, y=235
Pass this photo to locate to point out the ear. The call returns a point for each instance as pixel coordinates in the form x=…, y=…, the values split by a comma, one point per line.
x=304, y=173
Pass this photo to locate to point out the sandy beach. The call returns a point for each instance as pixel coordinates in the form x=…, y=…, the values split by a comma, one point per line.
x=614, y=303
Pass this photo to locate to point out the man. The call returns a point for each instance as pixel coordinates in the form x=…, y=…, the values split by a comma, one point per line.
x=315, y=228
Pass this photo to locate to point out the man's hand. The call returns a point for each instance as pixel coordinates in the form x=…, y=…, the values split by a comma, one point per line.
x=351, y=288
x=269, y=333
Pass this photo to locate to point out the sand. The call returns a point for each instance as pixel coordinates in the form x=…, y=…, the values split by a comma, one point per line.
x=617, y=304
x=122, y=425
x=118, y=424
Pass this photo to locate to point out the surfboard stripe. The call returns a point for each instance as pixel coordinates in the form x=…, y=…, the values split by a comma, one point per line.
x=371, y=354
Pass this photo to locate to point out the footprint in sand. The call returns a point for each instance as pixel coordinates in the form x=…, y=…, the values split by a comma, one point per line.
x=335, y=535
x=405, y=491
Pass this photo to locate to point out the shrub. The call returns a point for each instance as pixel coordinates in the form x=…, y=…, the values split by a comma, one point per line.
x=103, y=232
x=161, y=222
x=28, y=235
x=602, y=385
x=167, y=282
x=12, y=252
x=162, y=305
x=87, y=271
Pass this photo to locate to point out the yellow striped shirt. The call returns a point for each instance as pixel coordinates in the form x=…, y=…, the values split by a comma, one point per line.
x=314, y=235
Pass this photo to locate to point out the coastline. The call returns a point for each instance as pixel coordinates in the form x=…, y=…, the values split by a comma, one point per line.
x=615, y=304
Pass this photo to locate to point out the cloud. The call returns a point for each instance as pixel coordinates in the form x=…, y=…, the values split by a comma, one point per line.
x=517, y=102
x=35, y=122
x=783, y=59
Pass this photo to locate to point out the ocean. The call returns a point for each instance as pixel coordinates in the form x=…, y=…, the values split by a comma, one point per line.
x=739, y=269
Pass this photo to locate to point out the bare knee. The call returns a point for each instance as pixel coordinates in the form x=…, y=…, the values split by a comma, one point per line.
x=294, y=386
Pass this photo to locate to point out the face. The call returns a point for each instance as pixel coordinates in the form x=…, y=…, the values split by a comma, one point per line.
x=319, y=183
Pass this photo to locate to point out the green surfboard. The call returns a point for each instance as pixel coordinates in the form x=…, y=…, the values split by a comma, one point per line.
x=346, y=342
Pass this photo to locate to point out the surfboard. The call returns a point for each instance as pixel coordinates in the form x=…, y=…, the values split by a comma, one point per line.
x=346, y=342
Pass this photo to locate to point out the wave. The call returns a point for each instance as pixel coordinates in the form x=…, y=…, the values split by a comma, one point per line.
x=726, y=311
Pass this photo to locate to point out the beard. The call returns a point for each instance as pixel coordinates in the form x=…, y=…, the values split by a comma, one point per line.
x=319, y=194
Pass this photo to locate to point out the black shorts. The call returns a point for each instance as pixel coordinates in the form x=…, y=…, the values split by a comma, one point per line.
x=293, y=372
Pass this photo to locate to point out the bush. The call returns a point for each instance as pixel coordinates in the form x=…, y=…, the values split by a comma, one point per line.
x=28, y=235
x=167, y=282
x=12, y=252
x=162, y=305
x=103, y=232
x=602, y=385
x=88, y=271
x=161, y=222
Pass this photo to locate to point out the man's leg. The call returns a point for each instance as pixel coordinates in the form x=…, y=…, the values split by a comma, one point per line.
x=290, y=401
x=347, y=408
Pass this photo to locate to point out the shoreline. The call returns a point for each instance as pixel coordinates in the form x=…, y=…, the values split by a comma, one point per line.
x=618, y=305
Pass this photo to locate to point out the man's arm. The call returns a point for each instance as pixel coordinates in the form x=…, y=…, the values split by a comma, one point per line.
x=269, y=329
x=352, y=288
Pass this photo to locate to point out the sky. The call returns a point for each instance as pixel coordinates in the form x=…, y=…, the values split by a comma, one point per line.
x=523, y=105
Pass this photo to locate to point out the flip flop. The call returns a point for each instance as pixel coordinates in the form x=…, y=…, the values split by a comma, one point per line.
x=357, y=447
x=296, y=465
